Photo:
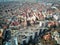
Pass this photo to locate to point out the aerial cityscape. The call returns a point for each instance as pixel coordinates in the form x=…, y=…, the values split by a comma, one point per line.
x=29, y=22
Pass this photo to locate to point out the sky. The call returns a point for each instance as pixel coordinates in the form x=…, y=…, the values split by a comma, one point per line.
x=28, y=0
